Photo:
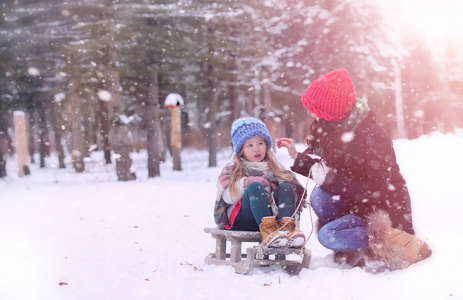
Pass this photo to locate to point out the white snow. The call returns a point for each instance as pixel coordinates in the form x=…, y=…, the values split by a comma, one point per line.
x=19, y=113
x=144, y=239
x=174, y=99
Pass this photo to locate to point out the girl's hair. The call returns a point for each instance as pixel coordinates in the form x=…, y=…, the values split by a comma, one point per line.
x=324, y=140
x=237, y=170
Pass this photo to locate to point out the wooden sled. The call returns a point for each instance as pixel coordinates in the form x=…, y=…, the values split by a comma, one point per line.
x=256, y=255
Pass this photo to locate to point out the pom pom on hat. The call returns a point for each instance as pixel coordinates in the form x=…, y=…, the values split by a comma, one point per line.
x=331, y=96
x=246, y=128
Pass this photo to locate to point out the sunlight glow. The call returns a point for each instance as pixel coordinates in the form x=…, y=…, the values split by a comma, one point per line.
x=435, y=19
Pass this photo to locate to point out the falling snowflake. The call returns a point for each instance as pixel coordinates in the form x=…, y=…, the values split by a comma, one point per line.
x=419, y=113
x=347, y=137
x=33, y=72
x=59, y=97
x=104, y=95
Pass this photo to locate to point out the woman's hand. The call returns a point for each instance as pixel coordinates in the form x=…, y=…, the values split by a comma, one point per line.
x=258, y=179
x=288, y=144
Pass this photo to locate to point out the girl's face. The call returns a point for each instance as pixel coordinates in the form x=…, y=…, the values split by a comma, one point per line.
x=255, y=149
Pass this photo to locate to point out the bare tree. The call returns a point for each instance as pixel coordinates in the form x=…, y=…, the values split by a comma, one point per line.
x=104, y=129
x=77, y=139
x=119, y=132
x=212, y=129
x=153, y=124
x=54, y=112
x=3, y=133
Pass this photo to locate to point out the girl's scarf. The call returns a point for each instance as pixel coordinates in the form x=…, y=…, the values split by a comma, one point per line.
x=261, y=166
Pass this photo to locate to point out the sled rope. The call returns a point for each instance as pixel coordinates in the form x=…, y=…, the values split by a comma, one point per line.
x=310, y=208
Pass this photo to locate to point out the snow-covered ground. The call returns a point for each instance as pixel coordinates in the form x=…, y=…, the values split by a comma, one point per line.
x=87, y=236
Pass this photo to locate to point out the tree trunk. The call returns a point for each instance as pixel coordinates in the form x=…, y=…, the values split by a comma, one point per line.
x=255, y=106
x=88, y=128
x=31, y=142
x=153, y=125
x=77, y=140
x=57, y=133
x=212, y=130
x=21, y=142
x=235, y=105
x=267, y=101
x=399, y=105
x=42, y=133
x=2, y=161
x=122, y=148
x=176, y=137
x=120, y=132
x=104, y=130
x=3, y=133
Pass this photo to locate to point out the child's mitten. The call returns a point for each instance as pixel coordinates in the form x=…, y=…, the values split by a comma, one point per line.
x=258, y=179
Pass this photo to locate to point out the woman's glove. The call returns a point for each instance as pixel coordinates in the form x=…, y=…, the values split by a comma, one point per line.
x=258, y=179
x=319, y=171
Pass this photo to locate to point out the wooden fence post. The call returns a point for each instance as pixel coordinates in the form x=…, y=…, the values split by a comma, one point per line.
x=174, y=102
x=21, y=142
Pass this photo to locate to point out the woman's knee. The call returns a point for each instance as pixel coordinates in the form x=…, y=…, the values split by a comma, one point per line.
x=326, y=206
x=326, y=236
x=347, y=233
x=319, y=196
x=320, y=202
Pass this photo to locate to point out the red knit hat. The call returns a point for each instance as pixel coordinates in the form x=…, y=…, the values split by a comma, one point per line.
x=331, y=96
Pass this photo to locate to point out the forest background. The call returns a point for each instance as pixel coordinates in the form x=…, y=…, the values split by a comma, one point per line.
x=94, y=74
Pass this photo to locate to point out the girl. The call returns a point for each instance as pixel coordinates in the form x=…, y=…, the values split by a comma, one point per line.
x=362, y=200
x=255, y=192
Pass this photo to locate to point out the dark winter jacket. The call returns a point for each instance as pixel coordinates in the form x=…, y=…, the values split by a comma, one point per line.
x=366, y=176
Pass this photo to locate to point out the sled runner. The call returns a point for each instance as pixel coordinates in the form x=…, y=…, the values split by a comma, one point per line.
x=254, y=256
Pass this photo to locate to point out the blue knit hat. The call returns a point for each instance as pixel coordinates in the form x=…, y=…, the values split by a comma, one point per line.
x=246, y=128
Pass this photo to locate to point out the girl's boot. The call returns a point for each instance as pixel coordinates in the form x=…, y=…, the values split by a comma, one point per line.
x=296, y=238
x=271, y=236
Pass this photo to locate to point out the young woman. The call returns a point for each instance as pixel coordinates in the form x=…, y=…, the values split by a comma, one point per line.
x=361, y=198
x=255, y=192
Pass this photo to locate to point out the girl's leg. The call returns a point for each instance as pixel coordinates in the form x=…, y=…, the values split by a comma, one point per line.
x=254, y=207
x=348, y=233
x=326, y=206
x=286, y=198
